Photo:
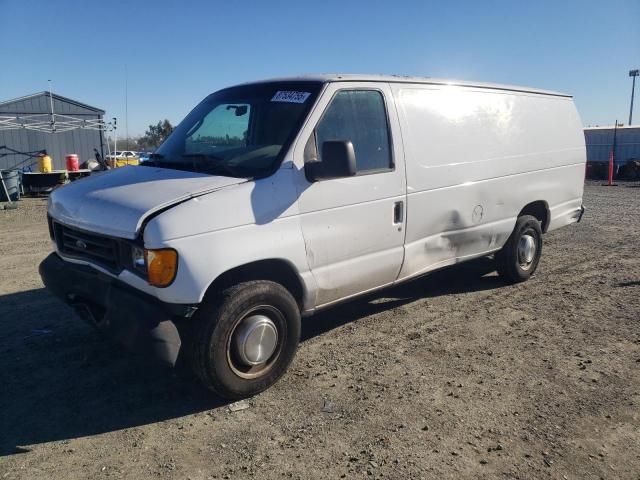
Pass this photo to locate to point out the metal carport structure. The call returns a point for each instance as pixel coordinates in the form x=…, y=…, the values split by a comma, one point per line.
x=51, y=122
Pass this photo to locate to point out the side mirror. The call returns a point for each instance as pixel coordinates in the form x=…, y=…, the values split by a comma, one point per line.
x=240, y=110
x=338, y=161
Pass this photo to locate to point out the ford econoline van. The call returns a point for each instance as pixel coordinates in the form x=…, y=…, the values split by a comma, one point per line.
x=273, y=200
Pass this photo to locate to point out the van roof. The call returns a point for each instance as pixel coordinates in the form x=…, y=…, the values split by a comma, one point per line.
x=349, y=77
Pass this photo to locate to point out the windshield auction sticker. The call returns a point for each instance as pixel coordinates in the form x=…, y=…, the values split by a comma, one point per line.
x=290, y=97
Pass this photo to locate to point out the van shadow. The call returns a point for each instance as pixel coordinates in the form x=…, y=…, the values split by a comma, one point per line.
x=62, y=380
x=466, y=277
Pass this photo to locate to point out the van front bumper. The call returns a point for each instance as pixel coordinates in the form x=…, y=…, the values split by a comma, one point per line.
x=138, y=321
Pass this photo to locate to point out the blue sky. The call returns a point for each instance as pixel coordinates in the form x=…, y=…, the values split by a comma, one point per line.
x=177, y=52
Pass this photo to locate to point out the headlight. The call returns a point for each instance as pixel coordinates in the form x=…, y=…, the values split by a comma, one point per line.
x=159, y=266
x=138, y=261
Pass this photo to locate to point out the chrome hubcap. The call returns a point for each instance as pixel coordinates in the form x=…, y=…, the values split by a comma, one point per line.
x=526, y=251
x=255, y=339
x=255, y=342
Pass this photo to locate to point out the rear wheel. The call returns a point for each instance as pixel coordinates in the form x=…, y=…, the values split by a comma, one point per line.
x=519, y=257
x=245, y=338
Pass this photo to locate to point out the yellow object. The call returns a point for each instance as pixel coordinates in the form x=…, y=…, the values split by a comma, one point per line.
x=162, y=266
x=123, y=162
x=45, y=164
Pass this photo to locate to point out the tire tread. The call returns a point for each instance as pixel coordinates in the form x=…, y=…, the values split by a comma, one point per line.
x=213, y=307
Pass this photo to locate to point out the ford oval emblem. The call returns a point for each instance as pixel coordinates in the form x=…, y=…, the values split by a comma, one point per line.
x=81, y=244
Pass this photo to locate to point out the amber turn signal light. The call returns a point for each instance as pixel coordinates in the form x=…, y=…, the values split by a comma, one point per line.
x=162, y=266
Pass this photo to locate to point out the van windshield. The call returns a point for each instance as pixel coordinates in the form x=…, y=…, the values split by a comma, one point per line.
x=239, y=132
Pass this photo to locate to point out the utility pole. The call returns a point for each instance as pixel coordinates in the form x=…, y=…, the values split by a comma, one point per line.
x=115, y=141
x=53, y=119
x=633, y=74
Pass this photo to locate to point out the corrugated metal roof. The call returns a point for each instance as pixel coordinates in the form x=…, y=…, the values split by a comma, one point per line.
x=55, y=96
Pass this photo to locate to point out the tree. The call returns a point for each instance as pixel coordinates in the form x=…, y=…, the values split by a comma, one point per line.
x=155, y=135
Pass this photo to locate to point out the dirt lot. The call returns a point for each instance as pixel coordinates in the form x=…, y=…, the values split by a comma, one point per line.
x=451, y=376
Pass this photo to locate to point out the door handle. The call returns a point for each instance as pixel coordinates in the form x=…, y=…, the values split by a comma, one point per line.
x=398, y=212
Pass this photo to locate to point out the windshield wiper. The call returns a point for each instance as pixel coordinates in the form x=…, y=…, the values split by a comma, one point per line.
x=157, y=160
x=212, y=163
x=153, y=159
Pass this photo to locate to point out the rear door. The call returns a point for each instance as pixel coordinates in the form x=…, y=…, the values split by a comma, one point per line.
x=354, y=227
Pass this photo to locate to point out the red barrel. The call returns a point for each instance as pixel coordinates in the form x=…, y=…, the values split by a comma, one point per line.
x=73, y=164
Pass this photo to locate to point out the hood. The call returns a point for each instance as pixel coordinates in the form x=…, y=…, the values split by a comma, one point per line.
x=118, y=201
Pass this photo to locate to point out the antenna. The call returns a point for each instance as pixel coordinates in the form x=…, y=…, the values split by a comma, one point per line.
x=126, y=102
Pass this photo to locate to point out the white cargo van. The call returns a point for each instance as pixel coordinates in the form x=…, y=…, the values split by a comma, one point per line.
x=275, y=199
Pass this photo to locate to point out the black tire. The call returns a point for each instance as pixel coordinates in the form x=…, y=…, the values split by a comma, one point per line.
x=211, y=351
x=509, y=261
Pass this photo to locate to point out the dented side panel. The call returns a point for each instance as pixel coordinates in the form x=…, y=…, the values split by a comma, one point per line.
x=475, y=158
x=446, y=225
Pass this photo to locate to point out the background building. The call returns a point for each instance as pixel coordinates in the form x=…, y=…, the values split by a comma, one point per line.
x=80, y=141
x=599, y=142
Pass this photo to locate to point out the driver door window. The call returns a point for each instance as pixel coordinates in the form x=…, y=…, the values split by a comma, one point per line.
x=359, y=116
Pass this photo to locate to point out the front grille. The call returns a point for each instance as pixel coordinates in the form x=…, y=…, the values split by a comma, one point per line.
x=94, y=248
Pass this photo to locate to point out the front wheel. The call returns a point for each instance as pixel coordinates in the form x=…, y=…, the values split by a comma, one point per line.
x=519, y=257
x=244, y=338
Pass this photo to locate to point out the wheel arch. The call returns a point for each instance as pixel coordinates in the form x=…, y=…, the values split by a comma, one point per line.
x=540, y=210
x=274, y=269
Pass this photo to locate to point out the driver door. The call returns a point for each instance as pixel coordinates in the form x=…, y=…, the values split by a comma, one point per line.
x=353, y=227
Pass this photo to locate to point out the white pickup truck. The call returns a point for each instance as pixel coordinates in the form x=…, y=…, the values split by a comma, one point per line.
x=276, y=199
x=122, y=155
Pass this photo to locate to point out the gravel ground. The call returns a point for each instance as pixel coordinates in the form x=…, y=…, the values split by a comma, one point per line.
x=454, y=375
